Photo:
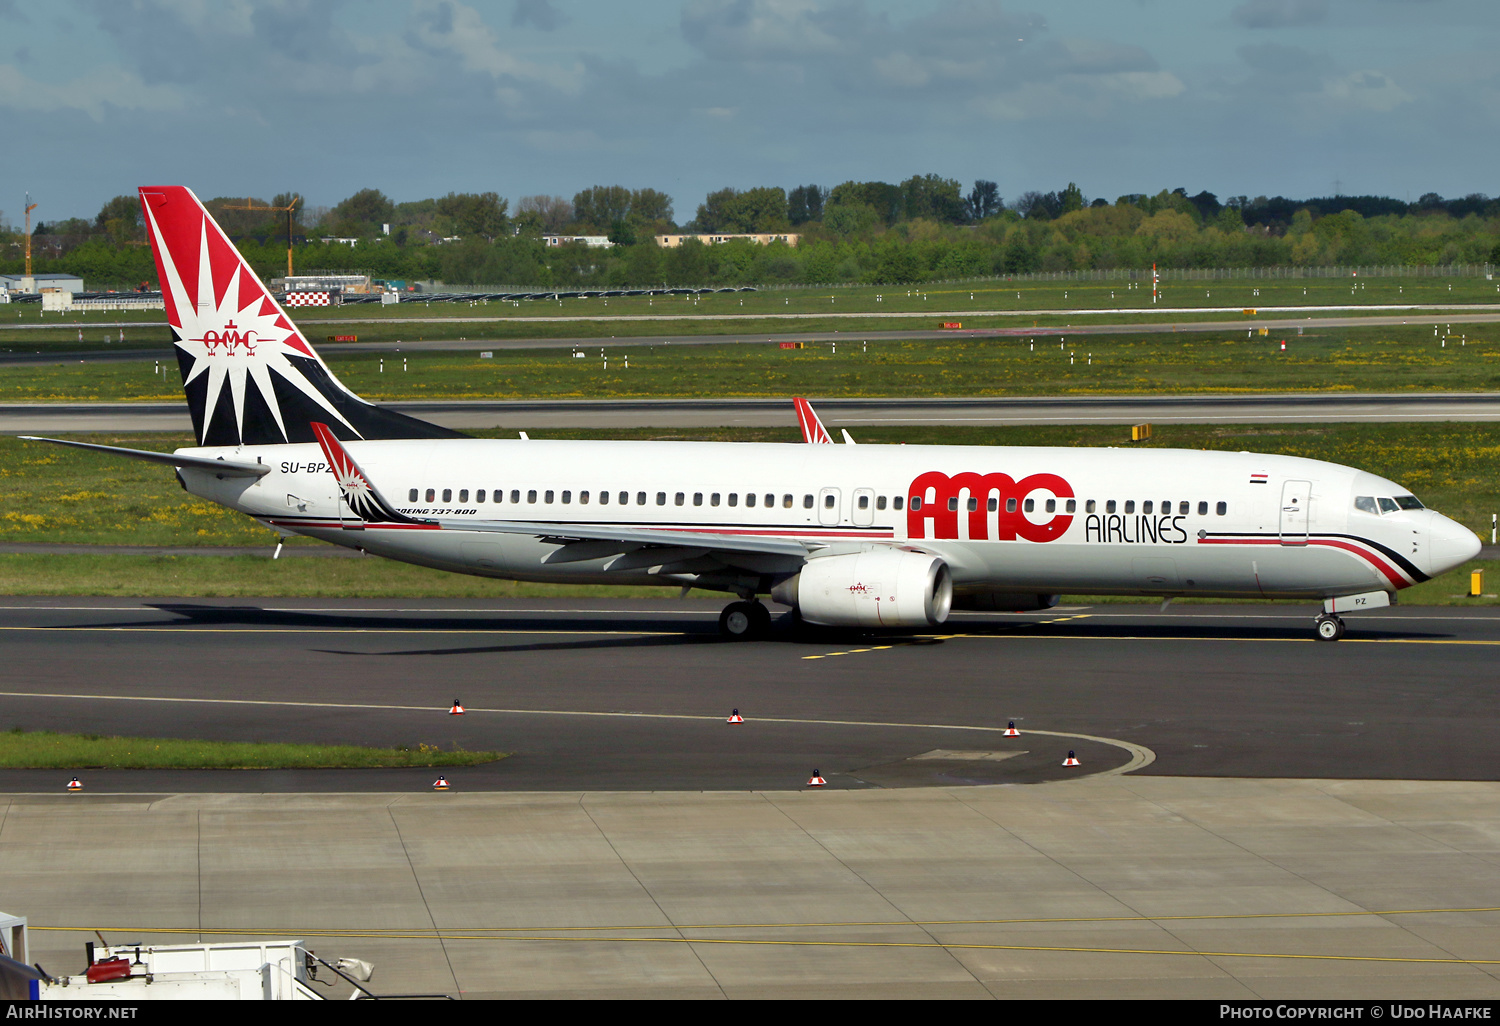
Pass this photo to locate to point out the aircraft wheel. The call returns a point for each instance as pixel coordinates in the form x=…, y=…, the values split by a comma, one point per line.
x=762, y=617
x=1330, y=628
x=742, y=620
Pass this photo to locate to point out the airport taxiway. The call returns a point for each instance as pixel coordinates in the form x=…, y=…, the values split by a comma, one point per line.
x=633, y=694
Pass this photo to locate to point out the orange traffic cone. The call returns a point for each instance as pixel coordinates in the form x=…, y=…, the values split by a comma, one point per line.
x=735, y=717
x=75, y=784
x=458, y=708
x=815, y=780
x=440, y=784
x=1071, y=760
x=1011, y=730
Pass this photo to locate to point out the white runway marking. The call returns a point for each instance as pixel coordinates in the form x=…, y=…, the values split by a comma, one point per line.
x=1140, y=756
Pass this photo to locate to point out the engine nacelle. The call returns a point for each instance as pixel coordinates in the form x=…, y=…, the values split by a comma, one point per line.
x=879, y=588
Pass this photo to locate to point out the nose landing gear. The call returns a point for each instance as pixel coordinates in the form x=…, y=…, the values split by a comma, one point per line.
x=1330, y=628
x=742, y=620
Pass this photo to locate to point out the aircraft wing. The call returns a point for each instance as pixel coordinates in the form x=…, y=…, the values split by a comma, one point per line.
x=222, y=467
x=621, y=538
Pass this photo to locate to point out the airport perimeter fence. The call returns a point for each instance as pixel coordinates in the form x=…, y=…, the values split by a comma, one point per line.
x=1183, y=274
x=442, y=292
x=1130, y=274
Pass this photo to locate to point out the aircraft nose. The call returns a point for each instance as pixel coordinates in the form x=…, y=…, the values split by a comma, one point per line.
x=1449, y=544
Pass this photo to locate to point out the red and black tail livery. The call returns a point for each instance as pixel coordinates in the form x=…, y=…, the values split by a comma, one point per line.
x=250, y=376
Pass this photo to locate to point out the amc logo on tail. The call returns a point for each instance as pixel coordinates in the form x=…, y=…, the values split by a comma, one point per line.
x=936, y=501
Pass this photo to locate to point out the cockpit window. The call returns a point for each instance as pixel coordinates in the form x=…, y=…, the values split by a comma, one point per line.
x=1387, y=505
x=1366, y=504
x=1408, y=502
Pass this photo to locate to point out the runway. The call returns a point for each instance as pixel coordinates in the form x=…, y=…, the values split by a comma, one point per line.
x=633, y=695
x=468, y=415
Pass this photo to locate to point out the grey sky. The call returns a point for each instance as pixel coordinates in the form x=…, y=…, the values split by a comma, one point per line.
x=422, y=97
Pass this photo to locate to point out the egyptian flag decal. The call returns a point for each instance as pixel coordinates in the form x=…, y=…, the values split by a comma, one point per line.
x=1259, y=478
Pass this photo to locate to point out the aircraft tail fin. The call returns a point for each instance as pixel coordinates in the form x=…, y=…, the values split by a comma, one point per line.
x=251, y=377
x=812, y=428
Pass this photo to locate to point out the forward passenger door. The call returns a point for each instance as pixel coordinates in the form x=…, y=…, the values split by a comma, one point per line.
x=1295, y=498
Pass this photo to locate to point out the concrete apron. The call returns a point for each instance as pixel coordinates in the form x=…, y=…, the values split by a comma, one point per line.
x=1113, y=887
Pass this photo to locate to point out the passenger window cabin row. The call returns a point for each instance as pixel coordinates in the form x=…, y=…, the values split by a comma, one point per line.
x=1148, y=507
x=768, y=500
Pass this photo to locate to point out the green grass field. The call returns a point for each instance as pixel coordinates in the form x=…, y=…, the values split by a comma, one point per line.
x=23, y=749
x=1384, y=359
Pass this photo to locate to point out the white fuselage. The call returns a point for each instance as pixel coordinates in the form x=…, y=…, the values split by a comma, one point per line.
x=1006, y=520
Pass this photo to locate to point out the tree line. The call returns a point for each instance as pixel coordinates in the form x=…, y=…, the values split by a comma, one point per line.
x=924, y=228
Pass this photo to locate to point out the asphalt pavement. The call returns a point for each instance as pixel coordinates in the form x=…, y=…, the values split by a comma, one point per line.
x=633, y=695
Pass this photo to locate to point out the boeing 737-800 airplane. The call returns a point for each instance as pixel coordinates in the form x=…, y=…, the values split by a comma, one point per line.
x=854, y=535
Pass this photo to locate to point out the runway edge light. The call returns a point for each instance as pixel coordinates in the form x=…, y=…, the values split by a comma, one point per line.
x=815, y=780
x=1072, y=759
x=735, y=717
x=440, y=784
x=458, y=708
x=1011, y=731
x=75, y=784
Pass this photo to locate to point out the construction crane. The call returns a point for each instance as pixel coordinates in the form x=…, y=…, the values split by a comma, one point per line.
x=249, y=205
x=30, y=206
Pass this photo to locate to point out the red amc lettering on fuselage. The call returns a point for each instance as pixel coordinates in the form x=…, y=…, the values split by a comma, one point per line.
x=938, y=491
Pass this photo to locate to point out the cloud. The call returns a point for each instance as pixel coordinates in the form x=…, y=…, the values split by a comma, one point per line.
x=1266, y=14
x=94, y=94
x=444, y=27
x=1276, y=58
x=539, y=14
x=1371, y=90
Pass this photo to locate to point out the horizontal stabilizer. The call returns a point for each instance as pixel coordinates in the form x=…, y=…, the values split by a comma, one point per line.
x=222, y=467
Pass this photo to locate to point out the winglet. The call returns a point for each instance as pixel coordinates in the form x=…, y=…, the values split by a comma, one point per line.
x=358, y=490
x=812, y=428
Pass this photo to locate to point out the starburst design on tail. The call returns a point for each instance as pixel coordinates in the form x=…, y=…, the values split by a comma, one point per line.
x=231, y=330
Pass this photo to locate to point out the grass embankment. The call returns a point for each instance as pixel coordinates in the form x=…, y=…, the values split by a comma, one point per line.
x=55, y=495
x=1380, y=359
x=43, y=749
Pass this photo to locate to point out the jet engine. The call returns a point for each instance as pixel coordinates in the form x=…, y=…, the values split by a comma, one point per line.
x=878, y=588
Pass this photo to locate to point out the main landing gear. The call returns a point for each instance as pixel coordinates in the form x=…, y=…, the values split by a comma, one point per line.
x=742, y=620
x=1330, y=627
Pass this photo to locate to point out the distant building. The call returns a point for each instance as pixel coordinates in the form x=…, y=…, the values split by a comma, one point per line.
x=41, y=283
x=762, y=238
x=355, y=283
x=592, y=241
